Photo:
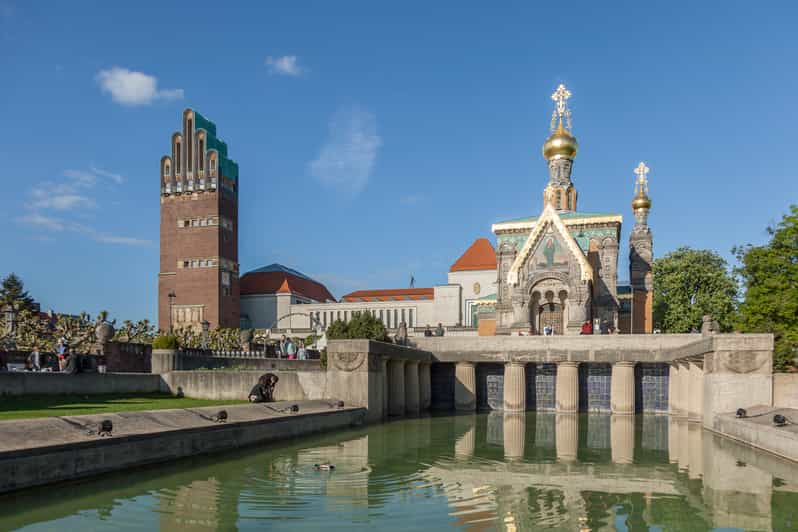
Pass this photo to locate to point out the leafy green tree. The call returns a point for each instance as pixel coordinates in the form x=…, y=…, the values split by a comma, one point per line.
x=689, y=283
x=361, y=326
x=769, y=275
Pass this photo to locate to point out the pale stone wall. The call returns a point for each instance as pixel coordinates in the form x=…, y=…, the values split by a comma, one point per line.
x=232, y=385
x=25, y=383
x=486, y=279
x=785, y=390
x=447, y=304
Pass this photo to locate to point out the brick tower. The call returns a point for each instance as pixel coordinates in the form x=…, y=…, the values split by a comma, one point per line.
x=198, y=279
x=641, y=255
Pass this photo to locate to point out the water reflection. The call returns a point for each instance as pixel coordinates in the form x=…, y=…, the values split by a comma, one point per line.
x=479, y=471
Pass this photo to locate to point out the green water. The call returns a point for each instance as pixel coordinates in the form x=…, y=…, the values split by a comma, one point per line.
x=473, y=472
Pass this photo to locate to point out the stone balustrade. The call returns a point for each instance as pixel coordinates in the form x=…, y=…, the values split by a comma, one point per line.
x=693, y=380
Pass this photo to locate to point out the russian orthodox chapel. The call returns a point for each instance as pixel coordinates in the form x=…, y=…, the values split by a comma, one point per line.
x=559, y=270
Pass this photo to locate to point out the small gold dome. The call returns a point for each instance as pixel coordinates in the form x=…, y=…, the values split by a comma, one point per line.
x=641, y=201
x=560, y=145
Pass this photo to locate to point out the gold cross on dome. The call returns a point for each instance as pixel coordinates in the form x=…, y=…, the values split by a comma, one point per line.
x=560, y=97
x=642, y=178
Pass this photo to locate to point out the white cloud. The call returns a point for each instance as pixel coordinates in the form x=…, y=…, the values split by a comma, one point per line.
x=42, y=222
x=348, y=156
x=68, y=195
x=116, y=178
x=58, y=198
x=286, y=65
x=128, y=87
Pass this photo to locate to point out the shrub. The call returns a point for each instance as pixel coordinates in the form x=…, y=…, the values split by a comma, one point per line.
x=361, y=326
x=165, y=341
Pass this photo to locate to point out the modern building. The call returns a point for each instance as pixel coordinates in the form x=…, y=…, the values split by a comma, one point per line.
x=198, y=278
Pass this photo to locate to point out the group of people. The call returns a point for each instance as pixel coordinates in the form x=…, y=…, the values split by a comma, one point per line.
x=291, y=350
x=438, y=331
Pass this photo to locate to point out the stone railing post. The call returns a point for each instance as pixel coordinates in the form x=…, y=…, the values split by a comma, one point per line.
x=567, y=391
x=514, y=387
x=412, y=398
x=164, y=360
x=622, y=388
x=425, y=385
x=695, y=402
x=465, y=386
x=397, y=388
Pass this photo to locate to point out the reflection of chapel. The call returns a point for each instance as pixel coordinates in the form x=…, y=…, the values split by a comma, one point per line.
x=560, y=269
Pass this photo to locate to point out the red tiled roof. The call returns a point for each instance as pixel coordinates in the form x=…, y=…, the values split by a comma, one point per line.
x=283, y=283
x=390, y=294
x=480, y=256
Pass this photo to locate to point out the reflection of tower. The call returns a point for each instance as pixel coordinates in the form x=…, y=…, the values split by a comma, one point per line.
x=560, y=150
x=641, y=254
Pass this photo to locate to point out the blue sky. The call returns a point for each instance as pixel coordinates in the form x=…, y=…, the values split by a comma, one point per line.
x=376, y=140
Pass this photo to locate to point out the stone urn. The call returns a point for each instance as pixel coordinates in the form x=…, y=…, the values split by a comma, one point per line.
x=245, y=338
x=104, y=331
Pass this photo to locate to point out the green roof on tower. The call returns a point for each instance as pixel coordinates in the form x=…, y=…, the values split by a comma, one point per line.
x=227, y=166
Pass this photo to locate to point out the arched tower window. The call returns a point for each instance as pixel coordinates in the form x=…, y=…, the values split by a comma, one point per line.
x=558, y=199
x=201, y=153
x=178, y=157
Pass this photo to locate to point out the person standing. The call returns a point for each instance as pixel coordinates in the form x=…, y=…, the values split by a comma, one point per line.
x=35, y=360
x=282, y=352
x=439, y=330
x=290, y=349
x=302, y=353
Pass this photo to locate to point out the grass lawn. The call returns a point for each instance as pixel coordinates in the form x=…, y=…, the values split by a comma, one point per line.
x=31, y=406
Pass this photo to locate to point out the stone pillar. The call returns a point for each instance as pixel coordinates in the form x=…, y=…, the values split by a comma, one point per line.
x=424, y=385
x=514, y=387
x=567, y=391
x=566, y=434
x=695, y=402
x=397, y=388
x=465, y=386
x=695, y=453
x=411, y=387
x=673, y=389
x=514, y=432
x=622, y=388
x=622, y=439
x=684, y=387
x=386, y=387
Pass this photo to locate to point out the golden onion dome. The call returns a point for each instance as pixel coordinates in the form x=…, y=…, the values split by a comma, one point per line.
x=560, y=145
x=641, y=201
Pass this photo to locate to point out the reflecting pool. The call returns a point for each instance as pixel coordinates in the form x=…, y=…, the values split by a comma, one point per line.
x=472, y=472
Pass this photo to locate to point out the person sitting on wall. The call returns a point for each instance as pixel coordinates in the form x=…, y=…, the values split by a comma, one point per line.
x=428, y=331
x=73, y=364
x=263, y=391
x=587, y=328
x=439, y=330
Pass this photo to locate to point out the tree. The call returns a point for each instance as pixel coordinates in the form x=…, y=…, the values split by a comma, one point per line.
x=689, y=283
x=13, y=294
x=769, y=275
x=362, y=325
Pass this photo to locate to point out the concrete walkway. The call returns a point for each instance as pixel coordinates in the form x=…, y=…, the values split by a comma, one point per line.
x=46, y=450
x=758, y=430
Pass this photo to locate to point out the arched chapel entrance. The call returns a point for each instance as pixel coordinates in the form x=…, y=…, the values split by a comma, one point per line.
x=551, y=315
x=548, y=306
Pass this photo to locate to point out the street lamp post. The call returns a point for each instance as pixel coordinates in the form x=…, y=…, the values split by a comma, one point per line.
x=205, y=327
x=172, y=296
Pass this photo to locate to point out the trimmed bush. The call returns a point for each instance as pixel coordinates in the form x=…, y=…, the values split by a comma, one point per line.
x=165, y=341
